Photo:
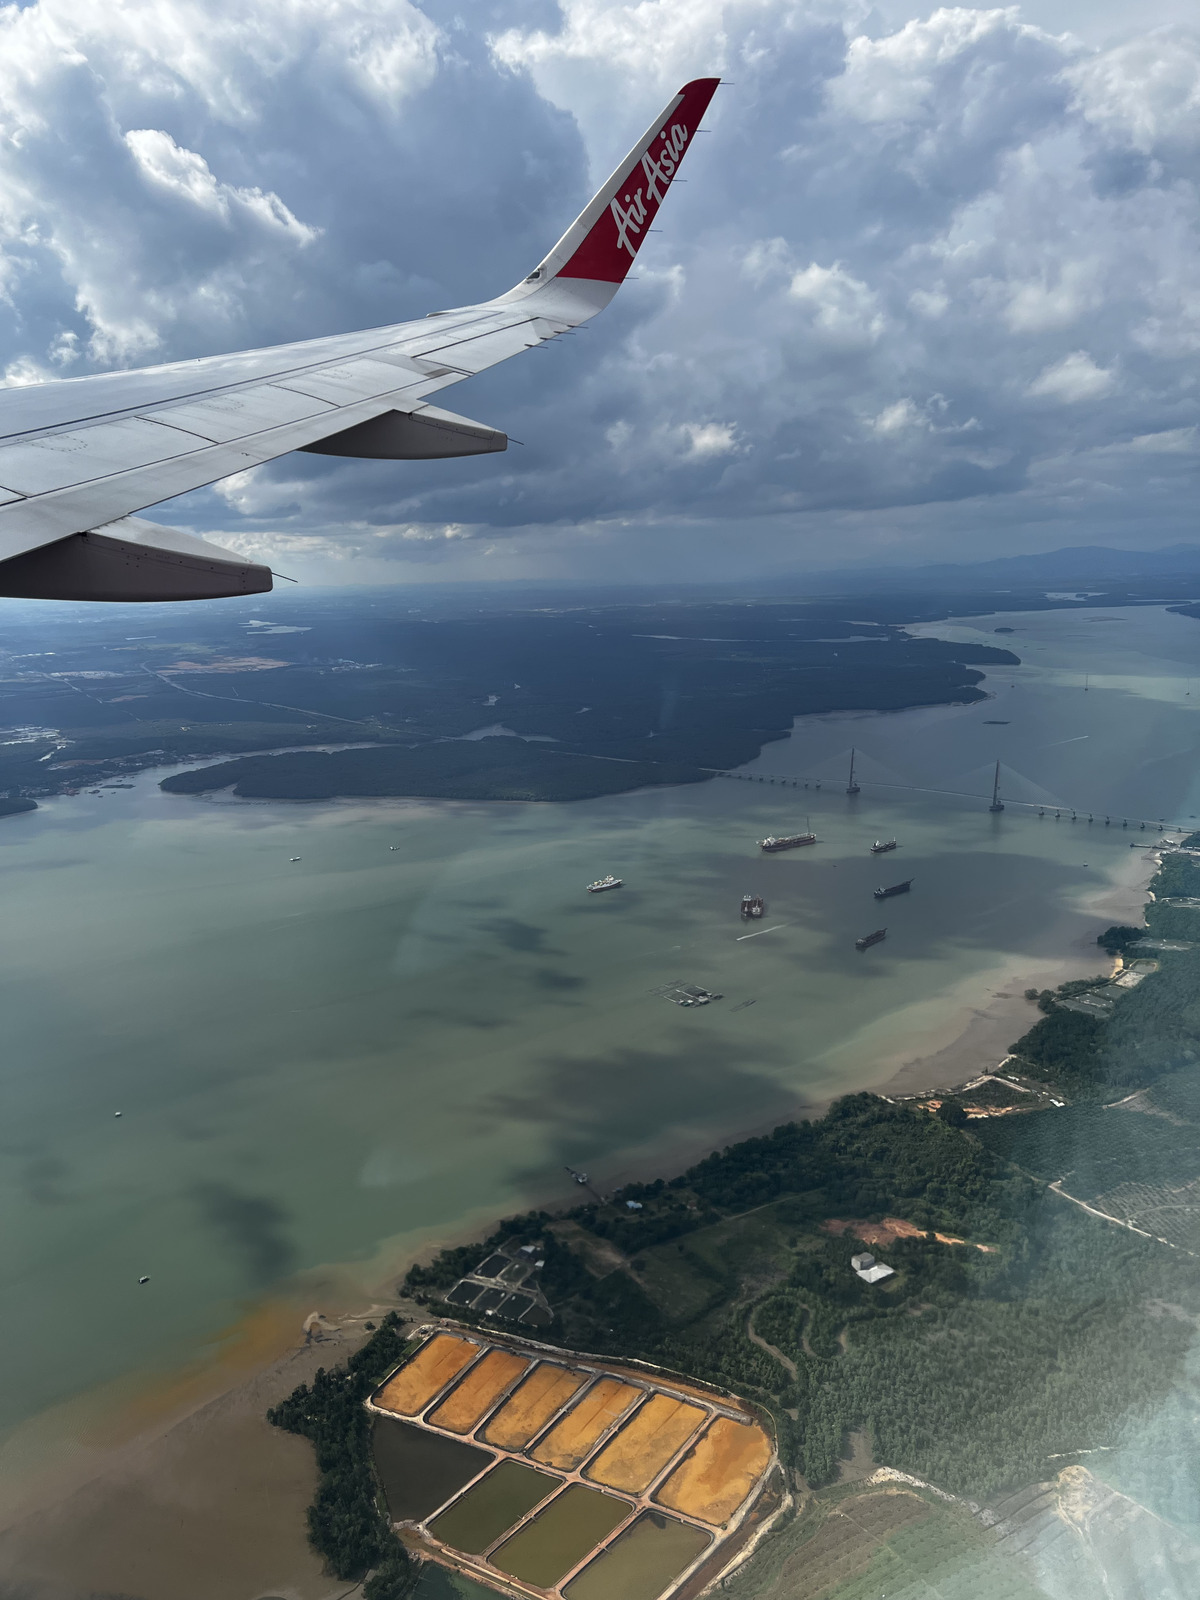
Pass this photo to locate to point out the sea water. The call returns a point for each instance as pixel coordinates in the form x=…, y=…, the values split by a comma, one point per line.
x=339, y=1057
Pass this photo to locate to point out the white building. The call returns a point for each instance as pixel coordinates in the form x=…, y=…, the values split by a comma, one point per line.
x=870, y=1270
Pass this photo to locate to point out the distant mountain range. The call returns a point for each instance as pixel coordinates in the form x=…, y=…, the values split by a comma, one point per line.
x=1077, y=568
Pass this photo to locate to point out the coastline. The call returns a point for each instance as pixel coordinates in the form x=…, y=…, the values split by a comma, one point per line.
x=177, y=1488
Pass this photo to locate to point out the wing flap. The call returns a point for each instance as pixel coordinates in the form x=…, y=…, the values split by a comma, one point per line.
x=131, y=560
x=427, y=434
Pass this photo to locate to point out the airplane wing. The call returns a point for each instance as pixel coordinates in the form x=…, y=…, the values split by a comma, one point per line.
x=80, y=456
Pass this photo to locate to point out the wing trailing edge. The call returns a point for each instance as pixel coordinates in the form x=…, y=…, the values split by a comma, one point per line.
x=131, y=560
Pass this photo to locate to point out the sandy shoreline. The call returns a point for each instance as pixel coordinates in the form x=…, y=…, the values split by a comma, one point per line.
x=178, y=1489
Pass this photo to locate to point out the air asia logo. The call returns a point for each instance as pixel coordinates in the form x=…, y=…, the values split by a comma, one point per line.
x=659, y=171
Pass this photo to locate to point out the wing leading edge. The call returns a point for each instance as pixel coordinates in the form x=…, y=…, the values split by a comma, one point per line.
x=80, y=456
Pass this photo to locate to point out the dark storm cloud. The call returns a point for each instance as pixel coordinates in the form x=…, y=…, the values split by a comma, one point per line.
x=931, y=287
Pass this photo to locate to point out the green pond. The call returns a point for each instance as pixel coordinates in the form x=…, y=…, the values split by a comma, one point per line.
x=641, y=1562
x=560, y=1537
x=494, y=1504
x=419, y=1470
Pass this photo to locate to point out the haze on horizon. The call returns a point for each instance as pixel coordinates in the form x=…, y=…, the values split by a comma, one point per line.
x=931, y=292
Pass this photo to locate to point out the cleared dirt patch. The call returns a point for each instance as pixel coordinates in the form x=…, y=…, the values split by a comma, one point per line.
x=478, y=1391
x=646, y=1443
x=889, y=1229
x=570, y=1441
x=545, y=1391
x=718, y=1472
x=430, y=1369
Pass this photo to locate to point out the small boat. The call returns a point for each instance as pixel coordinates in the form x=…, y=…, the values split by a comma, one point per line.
x=752, y=905
x=882, y=846
x=605, y=883
x=293, y=858
x=896, y=888
x=868, y=939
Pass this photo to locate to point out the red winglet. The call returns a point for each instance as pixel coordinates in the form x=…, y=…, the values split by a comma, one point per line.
x=634, y=196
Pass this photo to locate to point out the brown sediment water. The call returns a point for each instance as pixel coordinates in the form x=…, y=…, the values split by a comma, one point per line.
x=570, y=1440
x=492, y=1506
x=718, y=1472
x=559, y=1537
x=478, y=1391
x=641, y=1562
x=636, y=1456
x=529, y=1409
x=420, y=1470
x=437, y=1361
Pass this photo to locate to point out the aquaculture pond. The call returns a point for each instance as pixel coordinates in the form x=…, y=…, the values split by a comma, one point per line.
x=641, y=1562
x=419, y=1470
x=491, y=1506
x=558, y=1538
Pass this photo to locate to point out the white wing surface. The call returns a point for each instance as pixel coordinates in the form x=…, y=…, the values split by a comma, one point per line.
x=80, y=456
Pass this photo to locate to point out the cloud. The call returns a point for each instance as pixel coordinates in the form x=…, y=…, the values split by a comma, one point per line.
x=1076, y=377
x=922, y=277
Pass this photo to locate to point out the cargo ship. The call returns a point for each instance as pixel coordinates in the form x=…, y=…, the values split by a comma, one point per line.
x=752, y=905
x=605, y=883
x=868, y=939
x=896, y=888
x=882, y=846
x=787, y=841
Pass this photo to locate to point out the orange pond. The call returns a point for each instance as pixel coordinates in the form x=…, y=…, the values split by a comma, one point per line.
x=571, y=1440
x=543, y=1392
x=635, y=1457
x=478, y=1391
x=718, y=1472
x=443, y=1357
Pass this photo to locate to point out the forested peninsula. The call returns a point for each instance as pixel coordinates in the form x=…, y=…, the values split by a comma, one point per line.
x=598, y=701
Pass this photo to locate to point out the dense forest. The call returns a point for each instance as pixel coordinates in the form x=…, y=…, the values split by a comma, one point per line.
x=599, y=697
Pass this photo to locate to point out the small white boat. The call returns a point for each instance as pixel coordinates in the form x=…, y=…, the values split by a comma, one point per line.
x=294, y=858
x=605, y=883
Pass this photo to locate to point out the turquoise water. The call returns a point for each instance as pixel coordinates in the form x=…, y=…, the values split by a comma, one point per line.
x=377, y=1045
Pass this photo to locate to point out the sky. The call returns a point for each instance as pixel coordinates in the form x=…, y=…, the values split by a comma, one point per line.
x=931, y=291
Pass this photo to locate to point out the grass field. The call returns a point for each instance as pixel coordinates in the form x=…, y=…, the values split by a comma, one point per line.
x=887, y=1541
x=741, y=1257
